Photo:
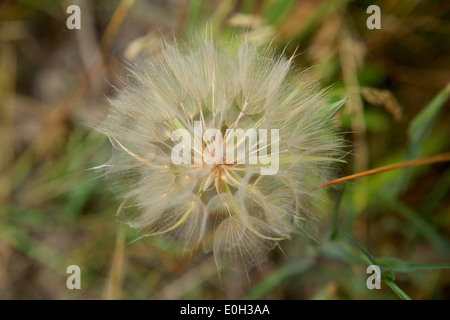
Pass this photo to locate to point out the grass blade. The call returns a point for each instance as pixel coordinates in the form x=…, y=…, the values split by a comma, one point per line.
x=399, y=292
x=364, y=251
x=398, y=265
x=420, y=224
x=423, y=123
x=272, y=280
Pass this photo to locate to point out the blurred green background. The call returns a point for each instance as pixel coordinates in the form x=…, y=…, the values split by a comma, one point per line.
x=55, y=212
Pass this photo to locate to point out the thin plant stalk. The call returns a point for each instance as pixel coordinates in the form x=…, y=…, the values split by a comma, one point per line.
x=442, y=157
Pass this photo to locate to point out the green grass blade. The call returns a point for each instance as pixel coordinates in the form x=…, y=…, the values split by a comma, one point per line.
x=323, y=10
x=364, y=251
x=219, y=16
x=193, y=15
x=272, y=280
x=335, y=223
x=420, y=224
x=436, y=195
x=418, y=132
x=276, y=11
x=398, y=265
x=423, y=123
x=387, y=275
x=399, y=292
x=32, y=248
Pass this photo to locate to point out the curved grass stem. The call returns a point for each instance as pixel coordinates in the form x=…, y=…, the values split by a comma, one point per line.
x=442, y=157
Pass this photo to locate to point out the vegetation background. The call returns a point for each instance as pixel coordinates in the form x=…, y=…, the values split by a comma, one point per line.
x=54, y=212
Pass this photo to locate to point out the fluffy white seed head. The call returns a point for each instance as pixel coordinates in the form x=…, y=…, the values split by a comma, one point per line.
x=229, y=207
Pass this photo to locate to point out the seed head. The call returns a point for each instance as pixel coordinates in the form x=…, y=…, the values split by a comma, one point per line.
x=220, y=201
